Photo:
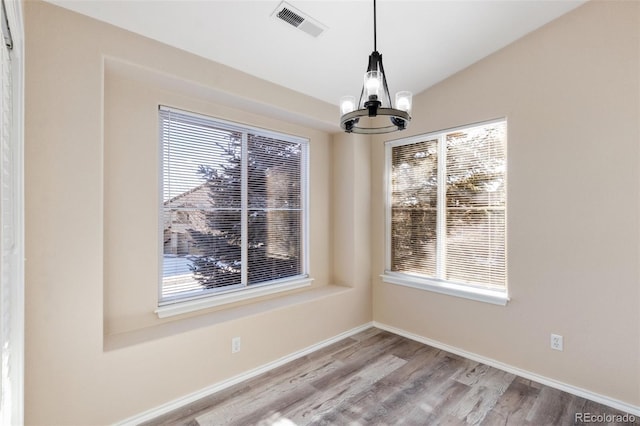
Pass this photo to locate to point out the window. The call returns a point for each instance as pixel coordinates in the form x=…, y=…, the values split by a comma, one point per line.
x=12, y=214
x=446, y=211
x=233, y=207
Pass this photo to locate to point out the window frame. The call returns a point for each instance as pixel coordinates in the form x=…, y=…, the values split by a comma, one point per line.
x=483, y=293
x=205, y=298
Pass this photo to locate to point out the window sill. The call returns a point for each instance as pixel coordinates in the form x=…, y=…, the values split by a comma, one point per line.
x=179, y=308
x=480, y=294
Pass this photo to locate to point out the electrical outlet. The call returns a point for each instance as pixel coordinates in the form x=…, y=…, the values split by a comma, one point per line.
x=556, y=342
x=235, y=345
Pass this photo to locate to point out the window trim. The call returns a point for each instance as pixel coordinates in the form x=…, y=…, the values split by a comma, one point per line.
x=487, y=294
x=185, y=303
x=481, y=294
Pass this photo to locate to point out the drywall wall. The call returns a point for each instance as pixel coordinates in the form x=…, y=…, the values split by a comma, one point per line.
x=95, y=351
x=571, y=95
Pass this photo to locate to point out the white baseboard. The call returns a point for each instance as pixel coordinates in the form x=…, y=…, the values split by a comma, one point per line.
x=217, y=387
x=610, y=402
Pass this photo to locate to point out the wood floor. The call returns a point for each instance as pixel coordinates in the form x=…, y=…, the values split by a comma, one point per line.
x=378, y=378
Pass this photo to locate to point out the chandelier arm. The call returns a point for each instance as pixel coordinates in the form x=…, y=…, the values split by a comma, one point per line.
x=361, y=100
x=384, y=82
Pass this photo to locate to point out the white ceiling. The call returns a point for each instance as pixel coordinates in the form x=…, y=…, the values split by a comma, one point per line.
x=422, y=41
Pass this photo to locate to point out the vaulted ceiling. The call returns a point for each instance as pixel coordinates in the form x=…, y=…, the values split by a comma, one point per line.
x=422, y=41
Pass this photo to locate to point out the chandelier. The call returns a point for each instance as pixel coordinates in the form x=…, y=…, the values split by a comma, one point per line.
x=375, y=100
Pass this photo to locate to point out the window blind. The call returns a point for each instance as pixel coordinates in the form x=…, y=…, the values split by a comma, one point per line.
x=233, y=208
x=475, y=205
x=11, y=215
x=8, y=209
x=414, y=207
x=448, y=205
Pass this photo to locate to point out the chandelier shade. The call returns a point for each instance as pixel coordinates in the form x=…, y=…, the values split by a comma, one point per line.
x=375, y=100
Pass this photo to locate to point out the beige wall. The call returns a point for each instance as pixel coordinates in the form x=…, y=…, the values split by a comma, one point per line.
x=95, y=351
x=570, y=92
x=131, y=189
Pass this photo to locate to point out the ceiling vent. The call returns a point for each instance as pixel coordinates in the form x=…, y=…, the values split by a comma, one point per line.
x=292, y=16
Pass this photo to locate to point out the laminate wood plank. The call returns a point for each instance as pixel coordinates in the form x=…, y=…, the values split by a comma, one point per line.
x=410, y=349
x=369, y=346
x=268, y=405
x=488, y=386
x=371, y=331
x=424, y=359
x=378, y=378
x=273, y=392
x=434, y=407
x=554, y=407
x=301, y=411
x=357, y=358
x=432, y=397
x=385, y=401
x=472, y=374
x=285, y=387
x=364, y=408
x=327, y=401
x=514, y=405
x=609, y=415
x=298, y=368
x=428, y=368
x=425, y=391
x=304, y=366
x=186, y=415
x=305, y=369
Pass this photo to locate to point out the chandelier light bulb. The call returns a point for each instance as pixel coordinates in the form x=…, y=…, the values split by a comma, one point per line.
x=347, y=104
x=404, y=100
x=372, y=82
